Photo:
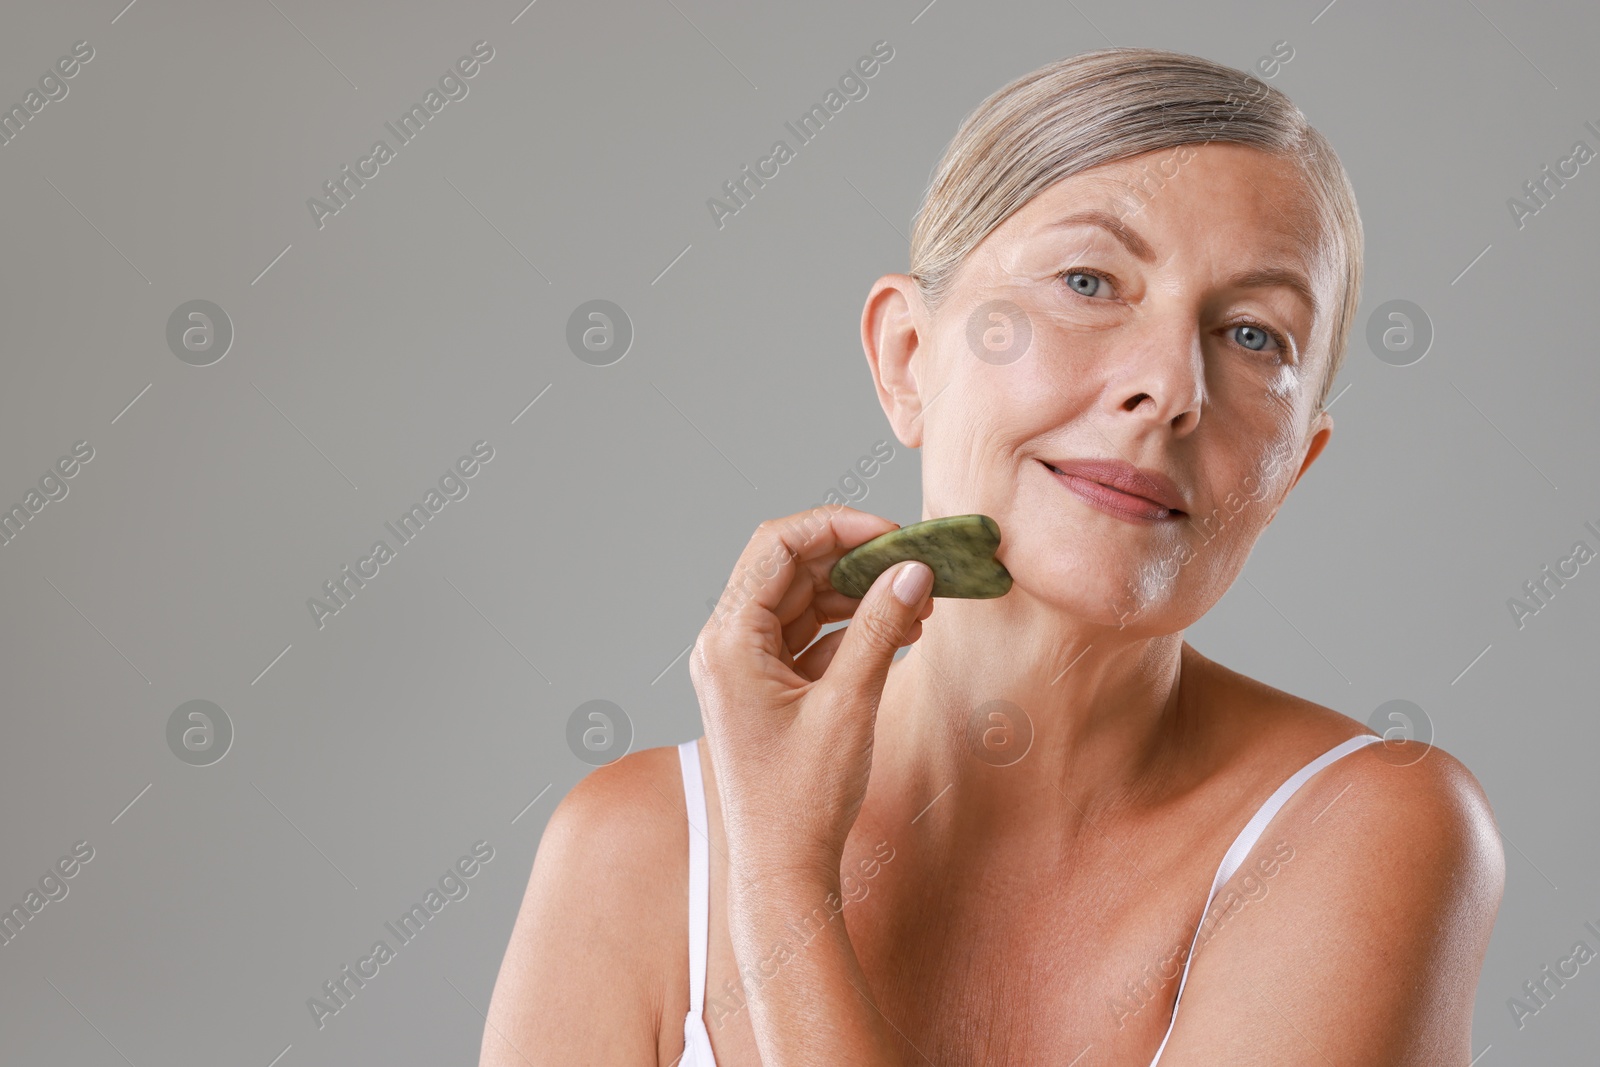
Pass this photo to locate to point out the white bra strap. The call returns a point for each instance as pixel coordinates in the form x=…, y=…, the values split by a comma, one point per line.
x=694, y=795
x=1246, y=841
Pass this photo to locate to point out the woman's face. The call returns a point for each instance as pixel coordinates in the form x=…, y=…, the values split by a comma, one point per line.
x=1145, y=313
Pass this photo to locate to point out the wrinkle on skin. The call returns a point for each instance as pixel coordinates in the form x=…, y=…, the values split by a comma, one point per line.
x=1013, y=271
x=1146, y=369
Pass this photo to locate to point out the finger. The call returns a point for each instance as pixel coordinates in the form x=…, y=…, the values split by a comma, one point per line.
x=831, y=606
x=812, y=583
x=772, y=559
x=813, y=662
x=799, y=633
x=880, y=625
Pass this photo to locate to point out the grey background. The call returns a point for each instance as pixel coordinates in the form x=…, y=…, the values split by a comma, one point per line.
x=427, y=315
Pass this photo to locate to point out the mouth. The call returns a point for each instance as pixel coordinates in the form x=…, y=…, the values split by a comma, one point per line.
x=1120, y=489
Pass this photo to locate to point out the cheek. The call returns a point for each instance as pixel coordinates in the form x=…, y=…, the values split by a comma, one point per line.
x=996, y=384
x=1266, y=403
x=1184, y=578
x=1221, y=539
x=1253, y=426
x=1238, y=503
x=1287, y=382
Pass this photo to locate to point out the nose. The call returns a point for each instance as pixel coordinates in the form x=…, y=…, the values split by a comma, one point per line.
x=1158, y=377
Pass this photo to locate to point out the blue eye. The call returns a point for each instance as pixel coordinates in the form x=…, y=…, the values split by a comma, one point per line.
x=1082, y=282
x=1251, y=337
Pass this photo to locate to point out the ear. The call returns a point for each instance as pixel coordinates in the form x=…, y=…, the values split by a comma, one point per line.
x=1321, y=431
x=890, y=322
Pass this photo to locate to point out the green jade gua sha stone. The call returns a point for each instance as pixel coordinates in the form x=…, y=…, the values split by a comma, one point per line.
x=959, y=548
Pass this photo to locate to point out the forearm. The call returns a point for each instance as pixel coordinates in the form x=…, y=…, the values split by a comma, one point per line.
x=809, y=1002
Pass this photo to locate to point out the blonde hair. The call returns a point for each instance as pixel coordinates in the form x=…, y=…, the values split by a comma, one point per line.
x=1104, y=106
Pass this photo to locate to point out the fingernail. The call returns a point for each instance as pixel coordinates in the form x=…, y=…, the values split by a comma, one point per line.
x=913, y=582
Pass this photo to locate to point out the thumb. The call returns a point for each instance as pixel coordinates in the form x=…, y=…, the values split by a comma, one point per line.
x=877, y=629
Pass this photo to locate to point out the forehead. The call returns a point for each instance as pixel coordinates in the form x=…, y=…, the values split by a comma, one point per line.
x=1242, y=191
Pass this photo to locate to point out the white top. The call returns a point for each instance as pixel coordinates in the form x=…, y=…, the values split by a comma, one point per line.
x=697, y=1042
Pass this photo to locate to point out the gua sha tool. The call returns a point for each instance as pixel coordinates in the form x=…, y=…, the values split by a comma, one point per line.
x=959, y=548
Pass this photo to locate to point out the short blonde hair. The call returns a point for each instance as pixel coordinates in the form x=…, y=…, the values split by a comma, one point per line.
x=1104, y=106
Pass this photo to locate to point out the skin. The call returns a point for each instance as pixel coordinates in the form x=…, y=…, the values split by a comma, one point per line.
x=1039, y=911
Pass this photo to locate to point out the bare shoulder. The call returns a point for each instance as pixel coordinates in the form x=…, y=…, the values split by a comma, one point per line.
x=1413, y=779
x=1421, y=826
x=1407, y=809
x=1363, y=913
x=1411, y=816
x=621, y=813
x=588, y=971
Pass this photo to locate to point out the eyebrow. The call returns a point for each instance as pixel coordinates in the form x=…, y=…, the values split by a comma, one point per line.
x=1261, y=278
x=1115, y=226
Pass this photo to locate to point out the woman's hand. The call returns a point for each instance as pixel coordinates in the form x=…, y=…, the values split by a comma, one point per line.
x=790, y=728
x=790, y=732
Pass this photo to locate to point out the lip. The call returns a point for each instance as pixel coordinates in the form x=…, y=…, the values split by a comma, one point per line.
x=1120, y=488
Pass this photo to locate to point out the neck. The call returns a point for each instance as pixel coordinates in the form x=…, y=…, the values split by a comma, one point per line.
x=1108, y=712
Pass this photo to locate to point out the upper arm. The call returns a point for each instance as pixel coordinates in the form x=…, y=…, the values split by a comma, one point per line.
x=581, y=978
x=1365, y=946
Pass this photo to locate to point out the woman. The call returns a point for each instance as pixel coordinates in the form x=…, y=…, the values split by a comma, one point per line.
x=1132, y=283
